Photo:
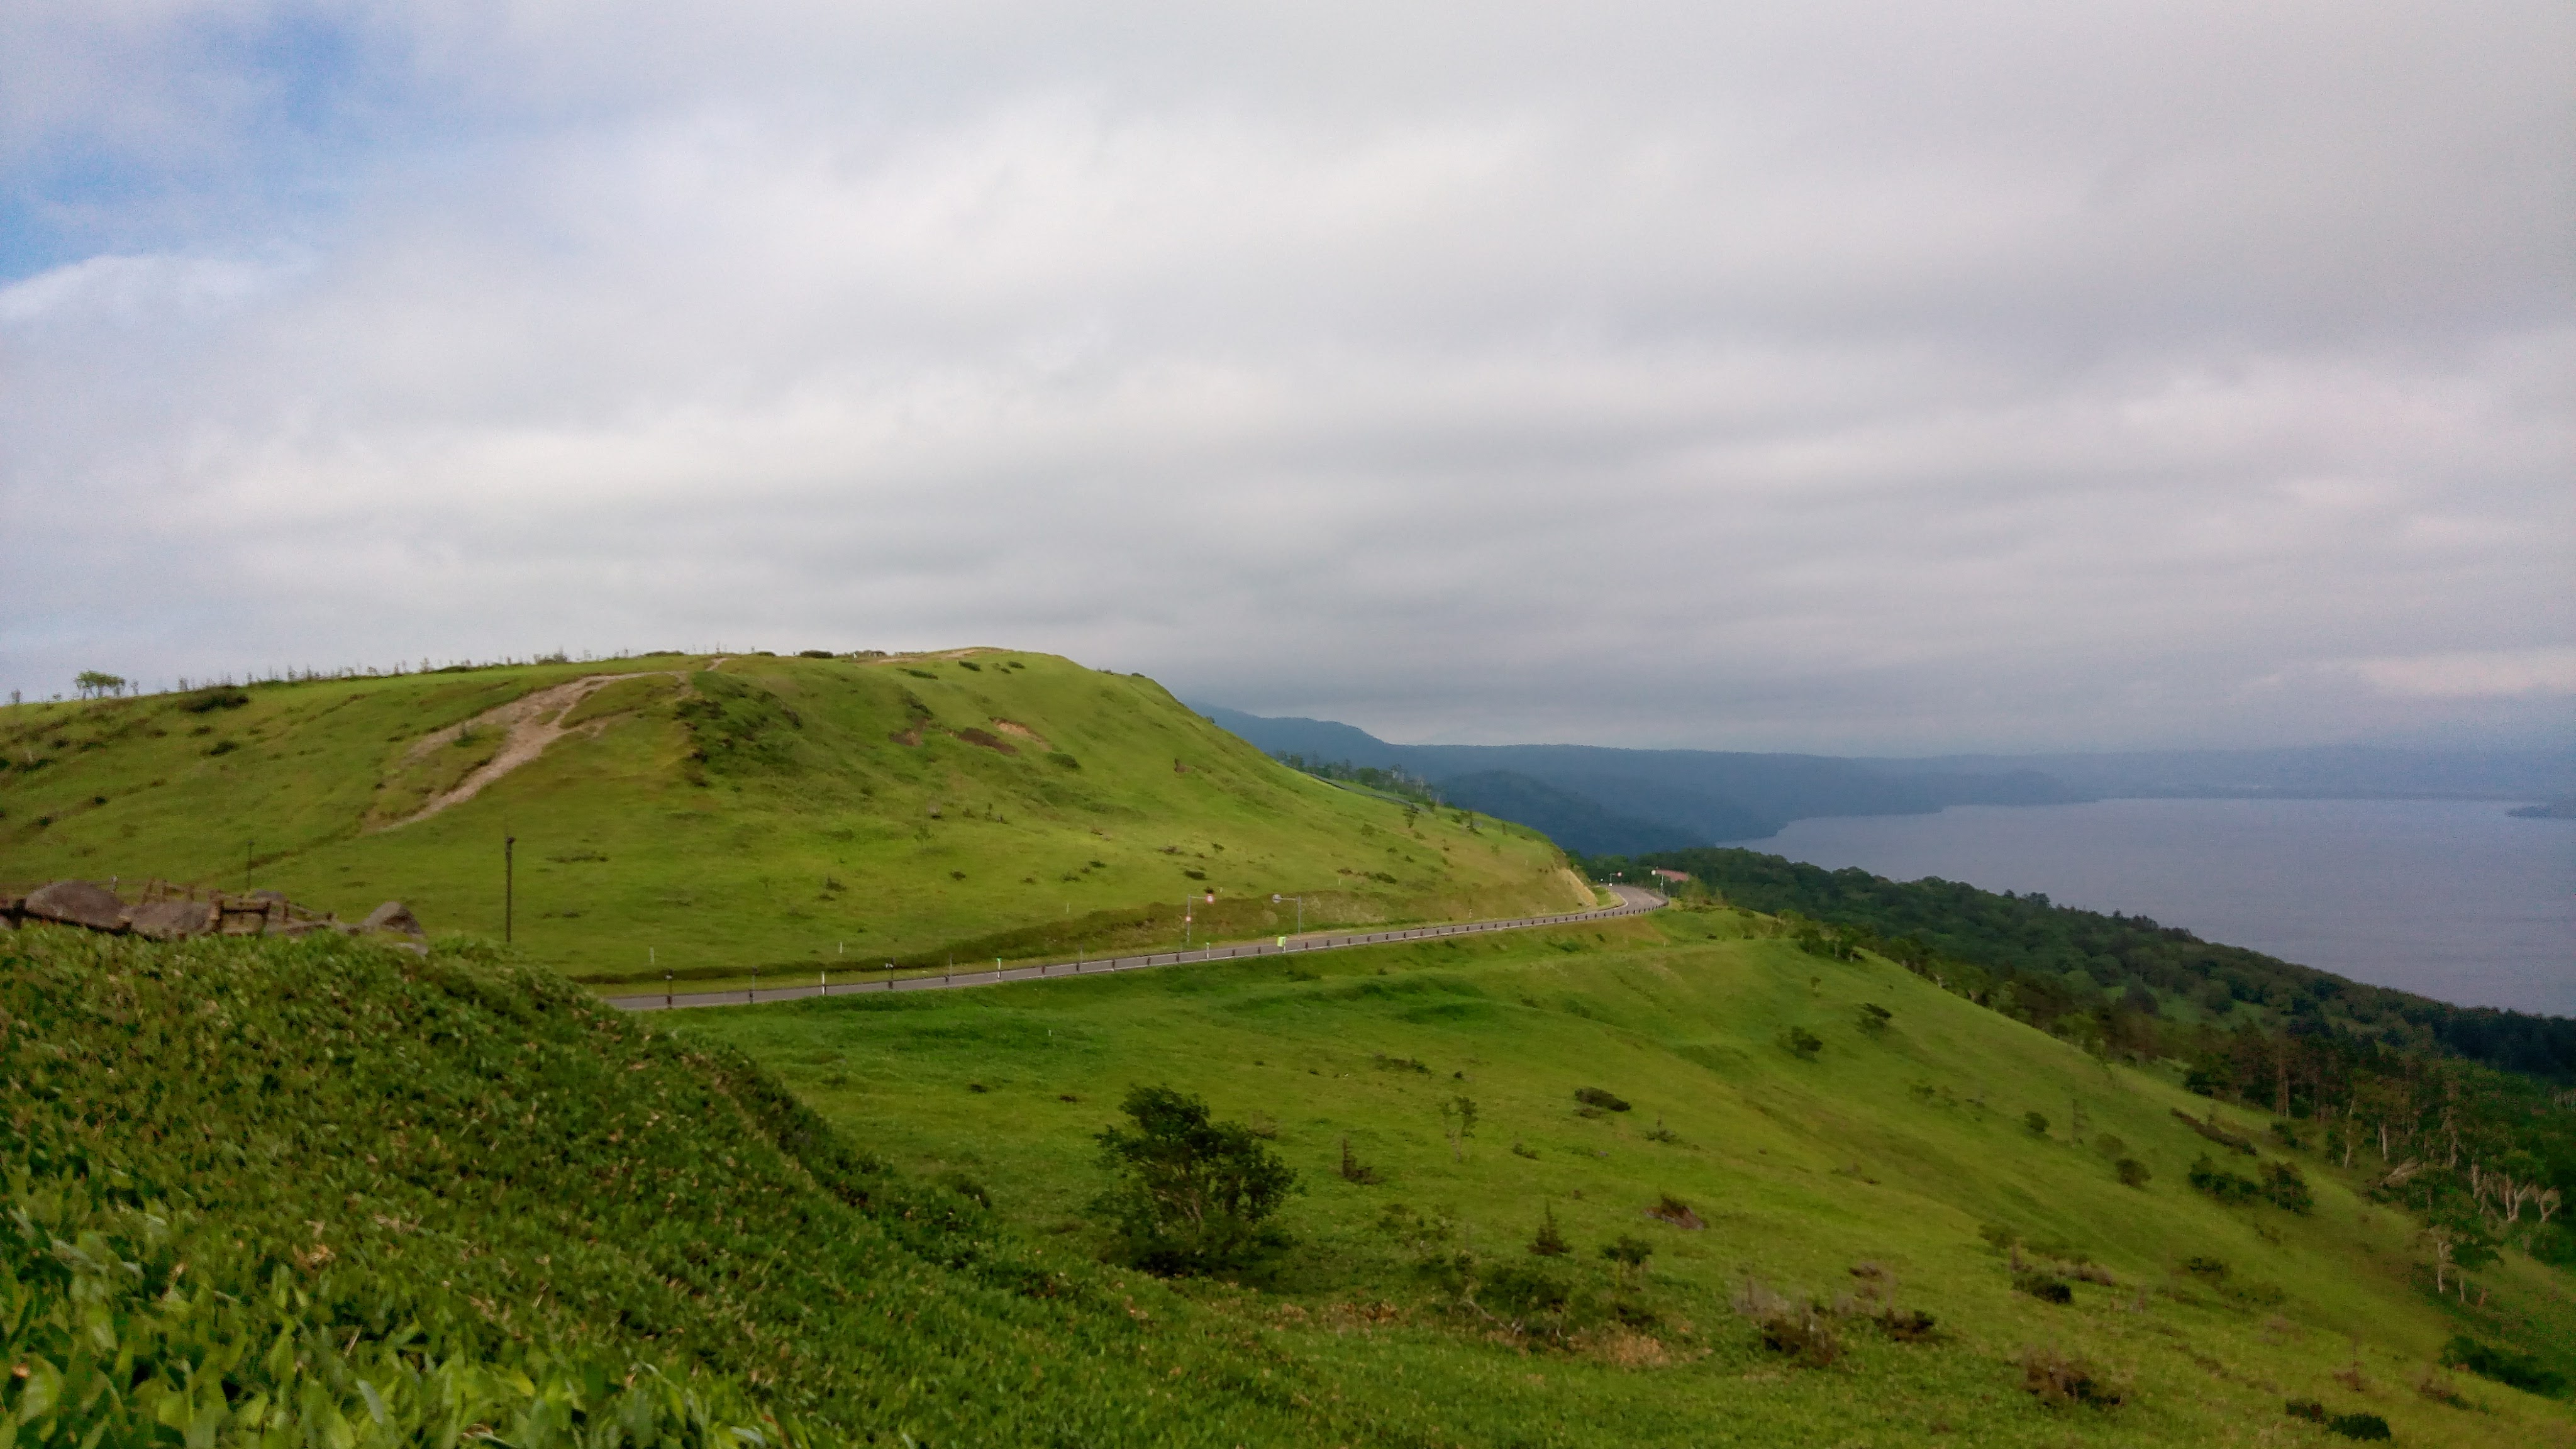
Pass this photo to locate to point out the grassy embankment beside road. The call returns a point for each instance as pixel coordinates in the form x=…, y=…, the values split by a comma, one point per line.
x=786, y=814
x=1905, y=1152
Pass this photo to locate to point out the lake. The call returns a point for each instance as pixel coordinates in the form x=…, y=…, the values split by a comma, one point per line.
x=2452, y=899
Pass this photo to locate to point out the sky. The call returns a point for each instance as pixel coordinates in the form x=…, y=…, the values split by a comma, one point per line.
x=1852, y=378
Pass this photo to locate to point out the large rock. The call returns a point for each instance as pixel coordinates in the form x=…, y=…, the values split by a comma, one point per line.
x=171, y=920
x=77, y=903
x=393, y=916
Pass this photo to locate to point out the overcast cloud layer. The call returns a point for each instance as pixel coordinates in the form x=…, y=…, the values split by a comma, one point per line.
x=1839, y=377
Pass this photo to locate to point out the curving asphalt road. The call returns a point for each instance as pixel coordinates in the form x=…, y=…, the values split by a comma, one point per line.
x=1632, y=901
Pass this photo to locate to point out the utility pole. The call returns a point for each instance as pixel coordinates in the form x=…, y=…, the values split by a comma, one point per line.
x=509, y=886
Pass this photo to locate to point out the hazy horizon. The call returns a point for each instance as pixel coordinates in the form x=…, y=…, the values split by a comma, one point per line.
x=1858, y=379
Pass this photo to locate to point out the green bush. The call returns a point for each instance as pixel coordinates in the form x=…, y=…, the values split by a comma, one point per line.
x=2223, y=1185
x=2132, y=1172
x=2046, y=1287
x=2515, y=1370
x=1550, y=1241
x=2284, y=1187
x=1802, y=1043
x=1193, y=1194
x=2063, y=1380
x=2358, y=1426
x=1596, y=1097
x=1518, y=1290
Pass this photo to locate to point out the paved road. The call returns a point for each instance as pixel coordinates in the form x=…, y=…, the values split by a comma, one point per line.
x=1632, y=901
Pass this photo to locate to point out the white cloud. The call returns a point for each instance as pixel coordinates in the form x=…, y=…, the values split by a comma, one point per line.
x=1872, y=379
x=2485, y=674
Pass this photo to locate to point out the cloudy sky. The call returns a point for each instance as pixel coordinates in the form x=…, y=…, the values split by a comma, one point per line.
x=1846, y=377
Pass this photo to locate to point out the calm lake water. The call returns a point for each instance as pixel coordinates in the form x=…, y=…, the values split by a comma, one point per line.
x=2453, y=899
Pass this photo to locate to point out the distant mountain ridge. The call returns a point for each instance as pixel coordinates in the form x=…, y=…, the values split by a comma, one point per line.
x=1596, y=799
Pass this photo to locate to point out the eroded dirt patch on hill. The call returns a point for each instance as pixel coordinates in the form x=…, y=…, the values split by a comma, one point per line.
x=1014, y=727
x=520, y=731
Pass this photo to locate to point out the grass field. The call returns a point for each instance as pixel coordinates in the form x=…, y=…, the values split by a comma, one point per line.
x=1907, y=1149
x=711, y=816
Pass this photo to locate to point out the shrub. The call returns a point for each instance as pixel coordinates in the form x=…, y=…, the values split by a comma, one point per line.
x=1673, y=1210
x=2358, y=1426
x=1802, y=1043
x=1874, y=1017
x=1354, y=1170
x=2132, y=1172
x=2286, y=1188
x=1595, y=1097
x=2514, y=1370
x=1193, y=1193
x=814, y=654
x=1518, y=1290
x=1550, y=1242
x=1628, y=1251
x=2213, y=1269
x=1908, y=1326
x=1804, y=1335
x=2036, y=1122
x=2061, y=1380
x=1796, y=1330
x=2046, y=1287
x=2221, y=1184
x=212, y=699
x=2110, y=1145
x=2308, y=1409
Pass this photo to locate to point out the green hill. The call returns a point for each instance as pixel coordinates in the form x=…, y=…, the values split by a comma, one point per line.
x=414, y=1197
x=715, y=815
x=1894, y=1166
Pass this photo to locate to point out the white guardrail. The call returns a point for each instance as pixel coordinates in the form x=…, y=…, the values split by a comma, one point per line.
x=1633, y=903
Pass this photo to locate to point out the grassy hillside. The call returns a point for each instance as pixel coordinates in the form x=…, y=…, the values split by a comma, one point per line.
x=2084, y=961
x=1898, y=1163
x=325, y=1193
x=714, y=815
